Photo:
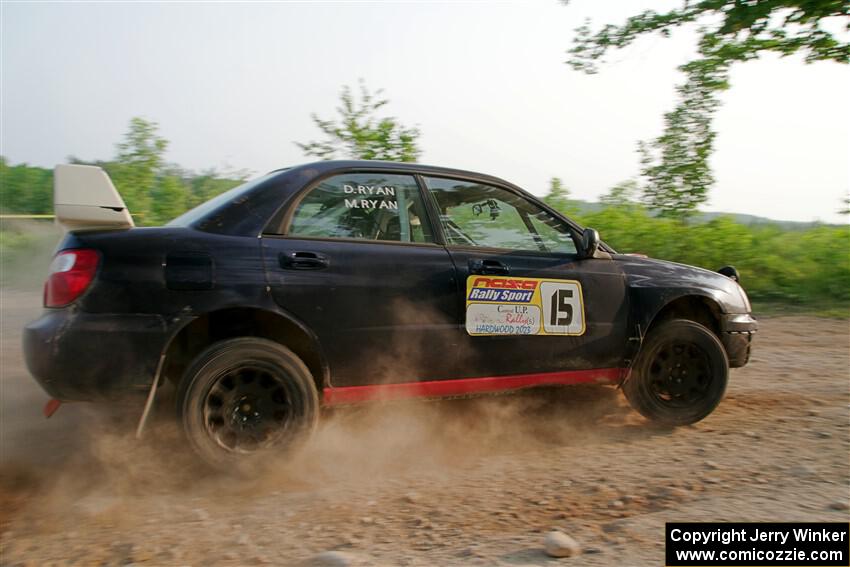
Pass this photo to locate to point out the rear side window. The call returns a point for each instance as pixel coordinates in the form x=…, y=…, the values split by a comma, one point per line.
x=366, y=206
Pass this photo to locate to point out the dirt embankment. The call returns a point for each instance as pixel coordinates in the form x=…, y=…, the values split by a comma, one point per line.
x=466, y=482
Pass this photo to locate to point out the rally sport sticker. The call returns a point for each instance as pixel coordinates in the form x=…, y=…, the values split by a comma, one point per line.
x=523, y=306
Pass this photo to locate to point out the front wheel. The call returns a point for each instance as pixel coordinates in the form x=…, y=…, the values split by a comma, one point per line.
x=680, y=374
x=244, y=395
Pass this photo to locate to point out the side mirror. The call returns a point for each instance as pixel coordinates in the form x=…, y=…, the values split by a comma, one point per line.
x=730, y=272
x=589, y=243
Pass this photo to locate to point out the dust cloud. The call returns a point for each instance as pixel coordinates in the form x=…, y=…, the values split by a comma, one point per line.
x=91, y=444
x=85, y=459
x=453, y=482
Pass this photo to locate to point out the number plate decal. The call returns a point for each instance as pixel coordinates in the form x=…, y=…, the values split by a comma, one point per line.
x=497, y=305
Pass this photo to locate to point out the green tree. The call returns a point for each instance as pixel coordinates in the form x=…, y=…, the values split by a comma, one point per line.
x=209, y=183
x=168, y=199
x=622, y=194
x=675, y=165
x=360, y=134
x=139, y=161
x=25, y=188
x=558, y=195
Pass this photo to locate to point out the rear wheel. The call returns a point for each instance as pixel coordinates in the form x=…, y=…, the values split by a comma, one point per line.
x=242, y=396
x=680, y=374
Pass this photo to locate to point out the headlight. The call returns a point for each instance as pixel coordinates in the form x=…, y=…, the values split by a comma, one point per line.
x=745, y=299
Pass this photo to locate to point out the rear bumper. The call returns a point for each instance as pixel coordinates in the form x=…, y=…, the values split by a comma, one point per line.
x=736, y=334
x=77, y=356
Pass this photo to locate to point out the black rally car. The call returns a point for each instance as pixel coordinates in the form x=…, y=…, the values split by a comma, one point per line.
x=344, y=281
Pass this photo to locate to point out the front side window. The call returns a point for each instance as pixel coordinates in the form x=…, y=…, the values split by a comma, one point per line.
x=367, y=206
x=476, y=214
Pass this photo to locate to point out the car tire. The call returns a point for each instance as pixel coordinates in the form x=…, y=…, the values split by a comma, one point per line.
x=680, y=374
x=243, y=396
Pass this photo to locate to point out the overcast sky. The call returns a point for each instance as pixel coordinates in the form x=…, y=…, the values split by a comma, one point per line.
x=233, y=85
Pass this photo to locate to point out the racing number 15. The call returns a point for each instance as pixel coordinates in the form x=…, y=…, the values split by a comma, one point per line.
x=561, y=311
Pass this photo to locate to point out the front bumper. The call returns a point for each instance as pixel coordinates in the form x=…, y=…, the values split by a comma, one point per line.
x=78, y=356
x=736, y=334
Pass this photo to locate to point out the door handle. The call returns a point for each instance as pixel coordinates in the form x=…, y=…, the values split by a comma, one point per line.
x=303, y=261
x=488, y=267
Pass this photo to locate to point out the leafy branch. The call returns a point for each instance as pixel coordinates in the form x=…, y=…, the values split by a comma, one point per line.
x=359, y=134
x=675, y=165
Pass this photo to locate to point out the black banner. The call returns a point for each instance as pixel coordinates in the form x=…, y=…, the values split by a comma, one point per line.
x=802, y=544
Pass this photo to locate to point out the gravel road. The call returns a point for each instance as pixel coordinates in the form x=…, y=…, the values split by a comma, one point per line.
x=463, y=482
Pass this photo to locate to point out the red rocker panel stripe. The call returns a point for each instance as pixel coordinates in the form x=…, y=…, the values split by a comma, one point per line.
x=443, y=388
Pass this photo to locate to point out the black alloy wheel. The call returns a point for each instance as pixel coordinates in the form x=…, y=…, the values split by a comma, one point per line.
x=680, y=374
x=242, y=396
x=248, y=407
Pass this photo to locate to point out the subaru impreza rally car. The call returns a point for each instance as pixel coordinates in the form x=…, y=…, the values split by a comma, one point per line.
x=345, y=281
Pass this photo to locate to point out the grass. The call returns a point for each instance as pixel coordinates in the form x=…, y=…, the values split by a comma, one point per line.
x=831, y=310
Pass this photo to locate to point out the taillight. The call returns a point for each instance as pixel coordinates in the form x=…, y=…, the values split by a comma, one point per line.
x=70, y=274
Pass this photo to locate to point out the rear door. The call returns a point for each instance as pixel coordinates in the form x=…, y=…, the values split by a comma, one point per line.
x=527, y=302
x=355, y=260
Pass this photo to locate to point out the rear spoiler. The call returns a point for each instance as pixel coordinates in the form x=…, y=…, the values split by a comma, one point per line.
x=84, y=198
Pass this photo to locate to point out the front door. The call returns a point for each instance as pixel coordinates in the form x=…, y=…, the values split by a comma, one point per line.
x=357, y=263
x=528, y=303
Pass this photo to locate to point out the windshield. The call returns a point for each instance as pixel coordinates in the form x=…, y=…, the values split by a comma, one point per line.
x=190, y=217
